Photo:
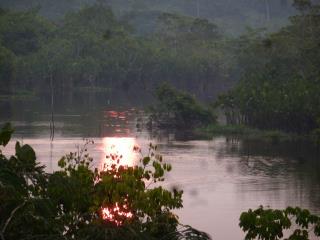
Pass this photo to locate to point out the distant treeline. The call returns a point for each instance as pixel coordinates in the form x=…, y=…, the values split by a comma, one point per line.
x=91, y=48
x=280, y=80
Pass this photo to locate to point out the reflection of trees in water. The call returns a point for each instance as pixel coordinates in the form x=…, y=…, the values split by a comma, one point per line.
x=169, y=135
x=290, y=167
x=83, y=101
x=5, y=109
x=81, y=115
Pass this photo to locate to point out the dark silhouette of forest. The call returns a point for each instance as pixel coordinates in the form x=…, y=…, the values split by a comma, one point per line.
x=262, y=79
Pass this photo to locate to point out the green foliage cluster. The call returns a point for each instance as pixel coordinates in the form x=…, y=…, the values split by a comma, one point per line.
x=92, y=48
x=280, y=78
x=69, y=203
x=270, y=224
x=21, y=34
x=179, y=109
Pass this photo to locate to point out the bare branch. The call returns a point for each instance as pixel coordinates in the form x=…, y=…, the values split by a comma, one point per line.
x=10, y=218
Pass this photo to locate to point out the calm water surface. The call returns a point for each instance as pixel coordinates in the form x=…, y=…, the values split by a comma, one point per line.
x=221, y=177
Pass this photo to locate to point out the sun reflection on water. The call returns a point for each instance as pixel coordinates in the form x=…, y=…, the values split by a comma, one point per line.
x=122, y=146
x=126, y=148
x=114, y=214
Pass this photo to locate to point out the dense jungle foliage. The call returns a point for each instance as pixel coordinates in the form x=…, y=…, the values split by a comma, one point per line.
x=280, y=83
x=92, y=49
x=81, y=202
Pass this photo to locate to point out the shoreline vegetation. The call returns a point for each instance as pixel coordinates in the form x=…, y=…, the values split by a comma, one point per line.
x=178, y=110
x=18, y=96
x=249, y=133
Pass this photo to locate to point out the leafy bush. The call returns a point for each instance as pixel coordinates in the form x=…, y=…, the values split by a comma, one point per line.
x=179, y=109
x=271, y=94
x=269, y=224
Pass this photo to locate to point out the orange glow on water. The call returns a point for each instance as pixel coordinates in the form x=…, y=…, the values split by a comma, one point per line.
x=116, y=215
x=122, y=151
x=121, y=146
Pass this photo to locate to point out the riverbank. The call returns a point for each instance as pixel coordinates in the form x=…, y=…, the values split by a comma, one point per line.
x=245, y=132
x=19, y=96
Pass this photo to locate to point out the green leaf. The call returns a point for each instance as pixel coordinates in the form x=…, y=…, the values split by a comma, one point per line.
x=62, y=162
x=25, y=153
x=146, y=161
x=5, y=134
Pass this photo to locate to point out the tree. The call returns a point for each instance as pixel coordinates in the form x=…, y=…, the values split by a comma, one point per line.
x=270, y=224
x=179, y=110
x=271, y=94
x=23, y=32
x=7, y=70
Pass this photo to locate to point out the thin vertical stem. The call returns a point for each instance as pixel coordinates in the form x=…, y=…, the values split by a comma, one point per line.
x=52, y=108
x=198, y=8
x=267, y=10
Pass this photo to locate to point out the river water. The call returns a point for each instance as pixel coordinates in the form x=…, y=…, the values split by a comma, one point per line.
x=221, y=177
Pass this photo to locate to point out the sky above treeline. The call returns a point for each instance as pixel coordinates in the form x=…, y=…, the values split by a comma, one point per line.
x=234, y=16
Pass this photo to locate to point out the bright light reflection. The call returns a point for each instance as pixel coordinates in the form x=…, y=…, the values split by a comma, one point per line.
x=126, y=148
x=122, y=146
x=112, y=214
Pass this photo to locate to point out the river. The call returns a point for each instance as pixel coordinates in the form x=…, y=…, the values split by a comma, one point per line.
x=221, y=177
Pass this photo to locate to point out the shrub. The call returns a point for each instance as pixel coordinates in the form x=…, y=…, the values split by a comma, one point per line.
x=179, y=109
